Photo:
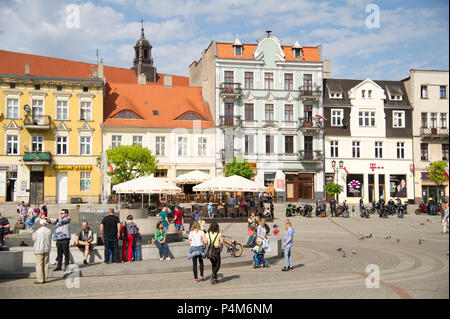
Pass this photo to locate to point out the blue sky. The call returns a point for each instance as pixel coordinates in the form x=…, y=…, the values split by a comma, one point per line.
x=411, y=34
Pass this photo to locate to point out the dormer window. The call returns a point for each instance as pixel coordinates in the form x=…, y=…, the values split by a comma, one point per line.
x=126, y=114
x=396, y=97
x=189, y=116
x=336, y=95
x=238, y=50
x=395, y=93
x=297, y=53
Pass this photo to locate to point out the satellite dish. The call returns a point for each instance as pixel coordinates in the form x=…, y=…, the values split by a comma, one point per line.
x=27, y=108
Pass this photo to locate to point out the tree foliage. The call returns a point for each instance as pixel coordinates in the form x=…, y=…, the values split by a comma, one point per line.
x=129, y=162
x=238, y=167
x=332, y=188
x=436, y=172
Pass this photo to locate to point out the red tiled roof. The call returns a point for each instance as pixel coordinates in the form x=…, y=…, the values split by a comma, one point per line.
x=14, y=63
x=225, y=50
x=143, y=99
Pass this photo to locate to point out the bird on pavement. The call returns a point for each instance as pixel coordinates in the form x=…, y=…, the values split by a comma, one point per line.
x=353, y=251
x=343, y=253
x=339, y=249
x=398, y=240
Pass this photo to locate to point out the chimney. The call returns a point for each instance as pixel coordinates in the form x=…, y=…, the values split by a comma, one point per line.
x=27, y=68
x=326, y=69
x=167, y=81
x=319, y=46
x=142, y=79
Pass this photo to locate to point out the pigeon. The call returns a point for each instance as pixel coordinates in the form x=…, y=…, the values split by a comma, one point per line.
x=353, y=251
x=428, y=220
x=398, y=240
x=420, y=241
x=446, y=252
x=339, y=249
x=370, y=235
x=343, y=253
x=361, y=238
x=422, y=224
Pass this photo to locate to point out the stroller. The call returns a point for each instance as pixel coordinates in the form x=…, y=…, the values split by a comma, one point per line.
x=258, y=258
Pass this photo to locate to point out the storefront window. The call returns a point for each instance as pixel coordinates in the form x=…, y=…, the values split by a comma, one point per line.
x=398, y=186
x=355, y=185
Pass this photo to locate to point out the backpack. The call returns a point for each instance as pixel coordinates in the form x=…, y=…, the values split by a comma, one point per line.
x=210, y=251
x=123, y=232
x=267, y=228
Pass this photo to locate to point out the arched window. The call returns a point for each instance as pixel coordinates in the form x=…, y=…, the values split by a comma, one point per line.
x=145, y=53
x=137, y=53
x=190, y=116
x=126, y=114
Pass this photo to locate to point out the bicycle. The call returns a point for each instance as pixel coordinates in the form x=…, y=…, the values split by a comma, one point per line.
x=234, y=248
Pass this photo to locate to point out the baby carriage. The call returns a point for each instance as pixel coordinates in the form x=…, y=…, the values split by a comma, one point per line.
x=258, y=258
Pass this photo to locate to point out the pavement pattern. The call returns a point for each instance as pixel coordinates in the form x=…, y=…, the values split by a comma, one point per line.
x=408, y=270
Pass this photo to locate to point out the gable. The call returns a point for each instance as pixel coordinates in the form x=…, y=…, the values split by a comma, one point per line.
x=269, y=50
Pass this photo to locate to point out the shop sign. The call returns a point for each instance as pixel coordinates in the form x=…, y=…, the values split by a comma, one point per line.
x=280, y=185
x=73, y=167
x=424, y=175
x=411, y=167
x=253, y=165
x=5, y=168
x=37, y=168
x=373, y=166
x=163, y=167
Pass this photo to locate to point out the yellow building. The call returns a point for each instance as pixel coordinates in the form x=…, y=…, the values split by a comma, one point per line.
x=51, y=142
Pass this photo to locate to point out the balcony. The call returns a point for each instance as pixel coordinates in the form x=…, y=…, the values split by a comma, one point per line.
x=37, y=122
x=249, y=123
x=310, y=156
x=230, y=121
x=230, y=90
x=310, y=92
x=37, y=158
x=310, y=126
x=434, y=133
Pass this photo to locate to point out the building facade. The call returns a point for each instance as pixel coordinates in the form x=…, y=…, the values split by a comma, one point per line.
x=428, y=93
x=51, y=138
x=265, y=98
x=368, y=139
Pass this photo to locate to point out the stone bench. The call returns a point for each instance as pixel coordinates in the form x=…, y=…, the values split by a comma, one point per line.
x=11, y=261
x=275, y=247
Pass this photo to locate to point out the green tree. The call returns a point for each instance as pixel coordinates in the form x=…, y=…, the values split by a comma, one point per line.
x=238, y=167
x=332, y=188
x=130, y=161
x=436, y=172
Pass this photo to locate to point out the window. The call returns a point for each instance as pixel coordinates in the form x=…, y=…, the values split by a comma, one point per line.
x=356, y=149
x=85, y=111
x=400, y=150
x=269, y=144
x=37, y=143
x=189, y=116
x=423, y=92
x=337, y=117
x=202, y=146
x=443, y=120
x=424, y=151
x=59, y=88
x=336, y=95
x=398, y=118
x=137, y=140
x=433, y=120
x=85, y=145
x=378, y=149
x=85, y=181
x=355, y=185
x=116, y=141
x=334, y=148
x=61, y=145
x=369, y=94
x=161, y=173
x=85, y=89
x=249, y=144
x=161, y=146
x=248, y=83
x=289, y=112
x=443, y=92
x=12, y=85
x=288, y=81
x=268, y=114
x=155, y=112
x=366, y=118
x=289, y=144
x=307, y=113
x=249, y=116
x=307, y=82
x=297, y=53
x=62, y=110
x=268, y=80
x=12, y=108
x=182, y=146
x=363, y=94
x=229, y=77
x=445, y=152
x=37, y=87
x=424, y=121
x=12, y=145
x=238, y=50
x=126, y=115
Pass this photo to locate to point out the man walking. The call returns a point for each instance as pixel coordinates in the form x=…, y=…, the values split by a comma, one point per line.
x=62, y=235
x=110, y=232
x=333, y=207
x=42, y=239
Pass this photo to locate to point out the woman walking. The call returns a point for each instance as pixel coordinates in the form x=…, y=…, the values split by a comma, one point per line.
x=215, y=240
x=287, y=243
x=196, y=251
x=160, y=241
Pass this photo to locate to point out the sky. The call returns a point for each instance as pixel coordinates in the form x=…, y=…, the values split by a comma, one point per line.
x=381, y=40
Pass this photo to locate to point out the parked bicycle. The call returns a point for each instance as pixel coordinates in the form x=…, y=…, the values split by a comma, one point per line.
x=234, y=248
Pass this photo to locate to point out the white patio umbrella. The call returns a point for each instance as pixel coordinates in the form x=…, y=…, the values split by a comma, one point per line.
x=206, y=186
x=236, y=183
x=146, y=185
x=194, y=177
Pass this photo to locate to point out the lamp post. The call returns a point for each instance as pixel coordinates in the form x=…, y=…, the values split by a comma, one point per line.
x=341, y=165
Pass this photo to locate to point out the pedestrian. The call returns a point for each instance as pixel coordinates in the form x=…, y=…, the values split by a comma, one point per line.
x=137, y=252
x=201, y=224
x=62, y=232
x=263, y=234
x=23, y=212
x=36, y=210
x=210, y=210
x=4, y=229
x=164, y=216
x=431, y=206
x=178, y=219
x=44, y=209
x=18, y=226
x=110, y=232
x=159, y=239
x=287, y=243
x=29, y=219
x=214, y=246
x=84, y=240
x=251, y=229
x=333, y=207
x=444, y=215
x=127, y=250
x=197, y=240
x=231, y=202
x=42, y=239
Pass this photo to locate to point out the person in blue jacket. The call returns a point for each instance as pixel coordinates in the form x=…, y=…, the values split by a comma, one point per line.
x=287, y=243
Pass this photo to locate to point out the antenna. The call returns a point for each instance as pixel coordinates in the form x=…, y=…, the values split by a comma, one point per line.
x=268, y=31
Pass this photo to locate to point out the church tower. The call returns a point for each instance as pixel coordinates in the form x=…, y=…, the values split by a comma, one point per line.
x=143, y=62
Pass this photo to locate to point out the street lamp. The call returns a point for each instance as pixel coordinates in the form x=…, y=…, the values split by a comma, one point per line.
x=333, y=165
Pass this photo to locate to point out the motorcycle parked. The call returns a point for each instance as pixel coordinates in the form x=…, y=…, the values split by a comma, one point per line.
x=391, y=207
x=401, y=208
x=424, y=209
x=290, y=210
x=342, y=210
x=321, y=209
x=307, y=210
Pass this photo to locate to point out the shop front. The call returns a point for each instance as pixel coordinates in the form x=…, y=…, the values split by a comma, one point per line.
x=299, y=186
x=431, y=190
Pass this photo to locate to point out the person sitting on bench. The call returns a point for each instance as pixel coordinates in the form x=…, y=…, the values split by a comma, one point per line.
x=84, y=239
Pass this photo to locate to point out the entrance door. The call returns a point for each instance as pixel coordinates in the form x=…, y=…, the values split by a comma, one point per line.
x=11, y=178
x=371, y=187
x=36, y=187
x=61, y=187
x=306, y=186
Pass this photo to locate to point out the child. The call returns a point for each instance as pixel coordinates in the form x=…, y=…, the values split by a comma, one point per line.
x=201, y=223
x=137, y=245
x=276, y=230
x=258, y=256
